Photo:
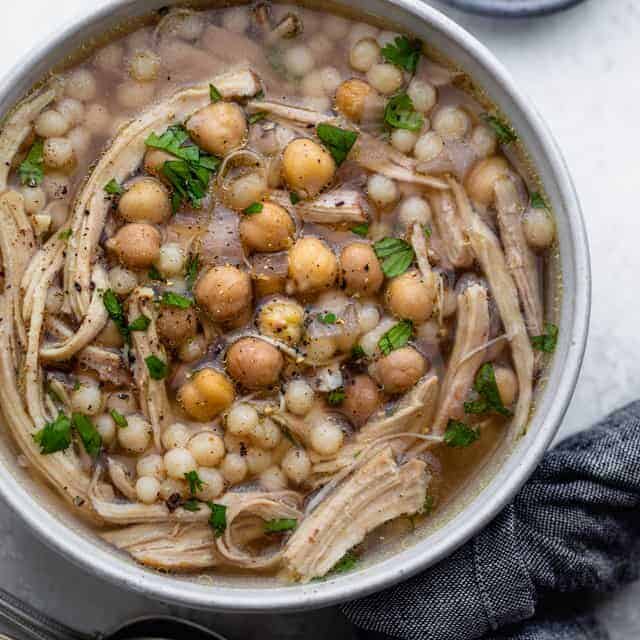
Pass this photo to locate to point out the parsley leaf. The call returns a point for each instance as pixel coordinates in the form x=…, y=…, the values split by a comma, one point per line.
x=156, y=367
x=428, y=505
x=65, y=235
x=458, y=434
x=191, y=270
x=537, y=201
x=119, y=419
x=191, y=505
x=346, y=563
x=337, y=141
x=400, y=114
x=141, y=323
x=214, y=94
x=172, y=299
x=256, y=117
x=31, y=169
x=548, y=340
x=327, y=318
x=487, y=389
x=218, y=518
x=427, y=231
x=336, y=396
x=154, y=274
x=280, y=525
x=396, y=337
x=361, y=229
x=113, y=188
x=194, y=480
x=396, y=255
x=54, y=436
x=357, y=352
x=88, y=434
x=115, y=311
x=294, y=197
x=503, y=131
x=404, y=53
x=254, y=208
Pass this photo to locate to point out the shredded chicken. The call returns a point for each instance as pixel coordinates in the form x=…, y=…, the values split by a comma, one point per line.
x=451, y=231
x=379, y=491
x=332, y=207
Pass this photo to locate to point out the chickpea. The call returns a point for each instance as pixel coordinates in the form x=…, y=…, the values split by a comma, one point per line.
x=428, y=147
x=411, y=297
x=136, y=436
x=72, y=110
x=34, y=199
x=403, y=140
x=482, y=178
x=269, y=230
x=144, y=65
x=234, y=468
x=176, y=325
x=320, y=349
x=507, y=384
x=254, y=363
x=258, y=460
x=122, y=281
x=282, y=319
x=58, y=153
x=299, y=397
x=218, y=128
x=400, y=370
x=207, y=448
x=106, y=427
x=381, y=190
x=146, y=200
x=361, y=273
x=246, y=189
x=298, y=60
x=326, y=438
x=451, y=123
x=296, y=465
x=175, y=435
x=414, y=209
x=171, y=487
x=56, y=185
x=193, y=349
x=364, y=54
x=207, y=394
x=81, y=85
x=385, y=78
x=147, y=489
x=368, y=317
x=136, y=245
x=273, y=479
x=51, y=124
x=266, y=434
x=312, y=265
x=484, y=141
x=87, y=398
x=109, y=59
x=151, y=465
x=224, y=292
x=179, y=462
x=352, y=97
x=213, y=484
x=122, y=401
x=242, y=419
x=422, y=94
x=154, y=160
x=80, y=139
x=362, y=398
x=307, y=167
x=171, y=260
x=538, y=228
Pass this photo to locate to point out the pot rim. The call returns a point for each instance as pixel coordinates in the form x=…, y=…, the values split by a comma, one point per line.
x=110, y=565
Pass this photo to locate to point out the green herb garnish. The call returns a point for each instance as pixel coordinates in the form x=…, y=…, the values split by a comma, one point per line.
x=54, y=436
x=337, y=141
x=547, y=341
x=400, y=114
x=537, y=201
x=357, y=352
x=154, y=274
x=141, y=323
x=119, y=419
x=195, y=482
x=396, y=337
x=88, y=434
x=172, y=299
x=254, y=208
x=459, y=434
x=116, y=312
x=256, y=117
x=346, y=563
x=191, y=270
x=404, y=53
x=336, y=396
x=156, y=367
x=489, y=399
x=361, y=230
x=214, y=94
x=113, y=188
x=31, y=169
x=427, y=231
x=396, y=255
x=65, y=235
x=191, y=505
x=218, y=518
x=503, y=131
x=294, y=197
x=280, y=525
x=327, y=318
x=428, y=505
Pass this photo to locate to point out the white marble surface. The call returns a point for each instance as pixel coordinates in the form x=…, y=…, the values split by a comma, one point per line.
x=580, y=69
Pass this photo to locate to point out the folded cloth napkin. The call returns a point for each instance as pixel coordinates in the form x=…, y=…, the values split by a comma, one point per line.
x=572, y=531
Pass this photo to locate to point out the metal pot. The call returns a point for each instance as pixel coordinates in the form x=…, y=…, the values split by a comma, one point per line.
x=497, y=482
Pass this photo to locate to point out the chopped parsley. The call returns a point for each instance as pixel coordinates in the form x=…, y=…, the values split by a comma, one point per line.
x=503, y=131
x=141, y=323
x=31, y=169
x=336, y=396
x=113, y=188
x=191, y=270
x=88, y=434
x=337, y=141
x=65, y=235
x=427, y=231
x=396, y=337
x=489, y=400
x=537, y=201
x=55, y=435
x=346, y=563
x=214, y=94
x=294, y=197
x=254, y=208
x=428, y=505
x=327, y=318
x=361, y=230
x=156, y=367
x=459, y=434
x=256, y=117
x=218, y=518
x=115, y=311
x=280, y=525
x=191, y=505
x=119, y=419
x=154, y=274
x=396, y=255
x=357, y=352
x=548, y=340
x=172, y=299
x=400, y=114
x=404, y=53
x=195, y=482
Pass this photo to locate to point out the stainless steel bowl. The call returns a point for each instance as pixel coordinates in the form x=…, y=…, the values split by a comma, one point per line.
x=492, y=488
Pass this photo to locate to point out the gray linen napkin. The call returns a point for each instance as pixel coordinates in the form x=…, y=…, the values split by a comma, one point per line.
x=572, y=531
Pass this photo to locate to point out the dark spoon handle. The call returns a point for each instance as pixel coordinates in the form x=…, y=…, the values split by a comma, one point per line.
x=32, y=623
